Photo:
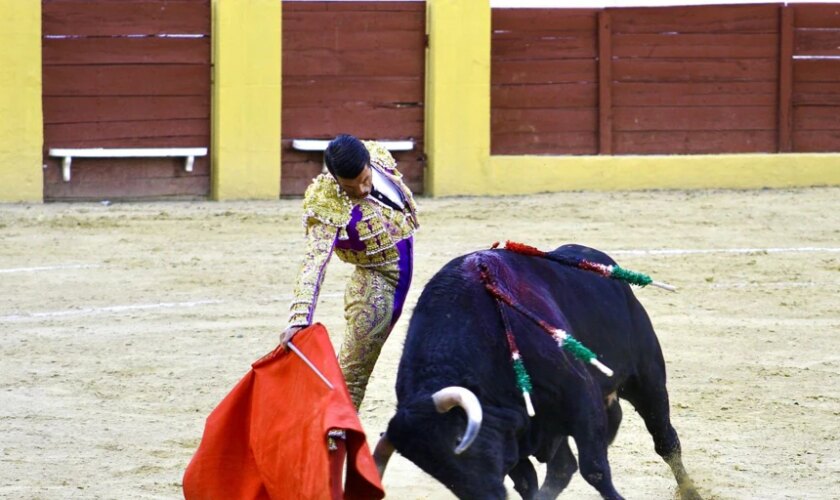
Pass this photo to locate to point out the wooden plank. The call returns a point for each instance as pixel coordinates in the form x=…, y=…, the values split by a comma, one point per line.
x=695, y=118
x=817, y=15
x=541, y=20
x=696, y=19
x=816, y=70
x=696, y=45
x=785, y=127
x=539, y=121
x=566, y=71
x=816, y=118
x=148, y=50
x=816, y=94
x=109, y=109
x=695, y=94
x=339, y=40
x=308, y=92
x=557, y=95
x=378, y=5
x=544, y=46
x=313, y=123
x=195, y=187
x=557, y=143
x=694, y=142
x=816, y=141
x=126, y=17
x=394, y=63
x=126, y=80
x=687, y=70
x=294, y=21
x=198, y=141
x=72, y=134
x=605, y=106
x=825, y=42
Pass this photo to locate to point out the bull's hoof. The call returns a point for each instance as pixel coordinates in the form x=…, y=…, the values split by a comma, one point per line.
x=689, y=493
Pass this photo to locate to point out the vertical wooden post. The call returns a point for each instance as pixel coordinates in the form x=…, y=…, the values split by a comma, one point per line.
x=786, y=33
x=604, y=83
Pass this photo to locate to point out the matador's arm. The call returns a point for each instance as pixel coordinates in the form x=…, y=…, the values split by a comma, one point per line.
x=320, y=240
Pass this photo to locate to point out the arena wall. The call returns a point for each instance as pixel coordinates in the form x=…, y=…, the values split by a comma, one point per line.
x=21, y=125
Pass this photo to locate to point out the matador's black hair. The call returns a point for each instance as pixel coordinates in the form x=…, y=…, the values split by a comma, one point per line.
x=346, y=157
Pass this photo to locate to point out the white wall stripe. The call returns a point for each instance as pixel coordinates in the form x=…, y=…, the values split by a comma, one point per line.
x=87, y=311
x=694, y=251
x=48, y=268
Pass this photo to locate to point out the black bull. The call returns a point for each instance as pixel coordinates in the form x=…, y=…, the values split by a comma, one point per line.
x=456, y=354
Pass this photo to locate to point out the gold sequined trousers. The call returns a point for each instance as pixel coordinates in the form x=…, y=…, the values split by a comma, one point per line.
x=369, y=311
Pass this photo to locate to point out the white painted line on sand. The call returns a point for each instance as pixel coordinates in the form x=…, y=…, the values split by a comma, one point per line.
x=48, y=268
x=694, y=251
x=87, y=311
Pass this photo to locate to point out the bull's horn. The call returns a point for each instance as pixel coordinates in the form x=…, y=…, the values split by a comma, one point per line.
x=449, y=397
x=382, y=453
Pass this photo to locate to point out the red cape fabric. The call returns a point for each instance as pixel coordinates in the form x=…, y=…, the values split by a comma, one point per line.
x=268, y=437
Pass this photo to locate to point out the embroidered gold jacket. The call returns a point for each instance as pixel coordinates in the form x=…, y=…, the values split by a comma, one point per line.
x=361, y=232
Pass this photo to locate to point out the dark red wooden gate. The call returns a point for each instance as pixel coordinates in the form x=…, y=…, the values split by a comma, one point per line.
x=666, y=80
x=127, y=74
x=356, y=68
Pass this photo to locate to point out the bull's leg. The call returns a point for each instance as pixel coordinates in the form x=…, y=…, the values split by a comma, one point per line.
x=524, y=479
x=594, y=467
x=559, y=471
x=590, y=431
x=650, y=399
x=613, y=417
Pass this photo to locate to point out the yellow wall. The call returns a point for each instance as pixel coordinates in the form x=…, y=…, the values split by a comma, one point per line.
x=21, y=121
x=534, y=174
x=457, y=95
x=246, y=99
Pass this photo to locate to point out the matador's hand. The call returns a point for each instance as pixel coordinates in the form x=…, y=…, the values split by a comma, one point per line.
x=288, y=333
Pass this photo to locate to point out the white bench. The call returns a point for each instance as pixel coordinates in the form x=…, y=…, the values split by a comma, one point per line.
x=68, y=154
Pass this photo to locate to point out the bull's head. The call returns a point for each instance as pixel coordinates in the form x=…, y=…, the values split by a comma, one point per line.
x=443, y=400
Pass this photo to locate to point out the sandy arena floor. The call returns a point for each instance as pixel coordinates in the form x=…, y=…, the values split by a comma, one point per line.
x=122, y=326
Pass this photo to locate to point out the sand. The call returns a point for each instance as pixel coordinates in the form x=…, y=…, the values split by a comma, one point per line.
x=123, y=325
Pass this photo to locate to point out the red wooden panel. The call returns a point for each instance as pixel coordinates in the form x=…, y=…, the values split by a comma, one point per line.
x=557, y=143
x=816, y=70
x=573, y=70
x=605, y=84
x=817, y=43
x=544, y=20
x=817, y=15
x=562, y=46
x=817, y=94
x=816, y=118
x=382, y=5
x=697, y=19
x=695, y=118
x=353, y=40
x=109, y=109
x=308, y=92
x=294, y=21
x=394, y=63
x=104, y=187
x=111, y=80
x=695, y=94
x=66, y=134
x=544, y=120
x=642, y=70
x=816, y=141
x=125, y=17
x=379, y=123
x=126, y=50
x=181, y=141
x=558, y=95
x=694, y=142
x=696, y=45
x=786, y=35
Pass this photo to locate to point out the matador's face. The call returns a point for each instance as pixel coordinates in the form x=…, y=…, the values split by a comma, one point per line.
x=359, y=187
